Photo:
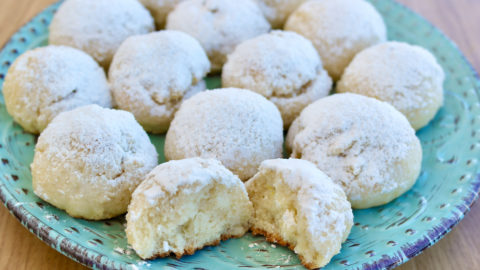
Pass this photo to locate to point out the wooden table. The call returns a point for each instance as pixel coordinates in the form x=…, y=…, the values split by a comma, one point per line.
x=460, y=249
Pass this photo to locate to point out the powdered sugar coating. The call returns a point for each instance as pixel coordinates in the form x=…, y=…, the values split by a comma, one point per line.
x=339, y=29
x=238, y=127
x=219, y=25
x=277, y=11
x=152, y=74
x=406, y=76
x=363, y=144
x=283, y=67
x=304, y=200
x=160, y=9
x=193, y=174
x=98, y=27
x=88, y=161
x=46, y=81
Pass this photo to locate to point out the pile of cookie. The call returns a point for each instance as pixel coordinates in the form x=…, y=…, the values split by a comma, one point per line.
x=356, y=148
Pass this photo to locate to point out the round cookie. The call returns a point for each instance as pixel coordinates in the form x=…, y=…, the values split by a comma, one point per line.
x=339, y=29
x=160, y=9
x=365, y=145
x=282, y=66
x=238, y=127
x=46, y=81
x=219, y=25
x=98, y=27
x=185, y=205
x=152, y=74
x=297, y=205
x=88, y=162
x=277, y=11
x=406, y=76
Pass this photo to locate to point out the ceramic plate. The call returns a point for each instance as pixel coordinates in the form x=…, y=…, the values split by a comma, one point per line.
x=382, y=237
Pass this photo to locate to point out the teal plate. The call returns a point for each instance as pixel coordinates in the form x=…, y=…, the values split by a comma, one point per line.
x=382, y=237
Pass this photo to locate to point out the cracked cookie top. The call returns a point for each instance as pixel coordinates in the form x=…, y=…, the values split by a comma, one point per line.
x=152, y=74
x=46, y=81
x=283, y=67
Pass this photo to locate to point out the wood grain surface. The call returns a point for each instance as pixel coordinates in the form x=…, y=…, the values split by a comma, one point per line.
x=460, y=249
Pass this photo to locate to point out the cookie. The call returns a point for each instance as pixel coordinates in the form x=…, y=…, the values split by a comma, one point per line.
x=152, y=74
x=364, y=145
x=406, y=76
x=282, y=66
x=339, y=29
x=88, y=162
x=46, y=81
x=219, y=25
x=98, y=27
x=236, y=126
x=185, y=205
x=297, y=205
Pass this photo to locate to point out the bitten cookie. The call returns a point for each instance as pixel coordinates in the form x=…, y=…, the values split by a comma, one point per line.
x=98, y=27
x=297, y=205
x=152, y=74
x=160, y=10
x=219, y=25
x=238, y=127
x=282, y=66
x=277, y=11
x=406, y=76
x=364, y=145
x=88, y=162
x=339, y=29
x=46, y=81
x=185, y=205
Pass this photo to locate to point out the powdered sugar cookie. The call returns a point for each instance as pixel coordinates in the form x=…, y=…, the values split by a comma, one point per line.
x=152, y=74
x=185, y=205
x=282, y=66
x=406, y=76
x=46, y=81
x=297, y=205
x=277, y=11
x=339, y=29
x=160, y=10
x=238, y=127
x=88, y=161
x=219, y=25
x=98, y=27
x=365, y=145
